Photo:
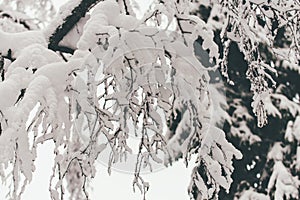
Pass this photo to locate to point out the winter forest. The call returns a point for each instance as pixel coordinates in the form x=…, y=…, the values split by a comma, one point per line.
x=140, y=85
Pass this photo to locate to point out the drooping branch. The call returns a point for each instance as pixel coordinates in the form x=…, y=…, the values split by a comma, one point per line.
x=69, y=22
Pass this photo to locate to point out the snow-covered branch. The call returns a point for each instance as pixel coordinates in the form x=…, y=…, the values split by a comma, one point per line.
x=68, y=16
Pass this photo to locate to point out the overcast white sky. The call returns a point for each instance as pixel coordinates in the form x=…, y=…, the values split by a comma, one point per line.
x=58, y=3
x=167, y=184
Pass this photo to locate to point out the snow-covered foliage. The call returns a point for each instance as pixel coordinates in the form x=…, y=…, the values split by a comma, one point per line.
x=285, y=183
x=260, y=38
x=253, y=25
x=272, y=166
x=29, y=13
x=252, y=194
x=112, y=75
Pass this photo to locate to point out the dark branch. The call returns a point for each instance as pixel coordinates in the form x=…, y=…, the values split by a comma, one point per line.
x=126, y=8
x=1, y=72
x=9, y=56
x=69, y=22
x=63, y=49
